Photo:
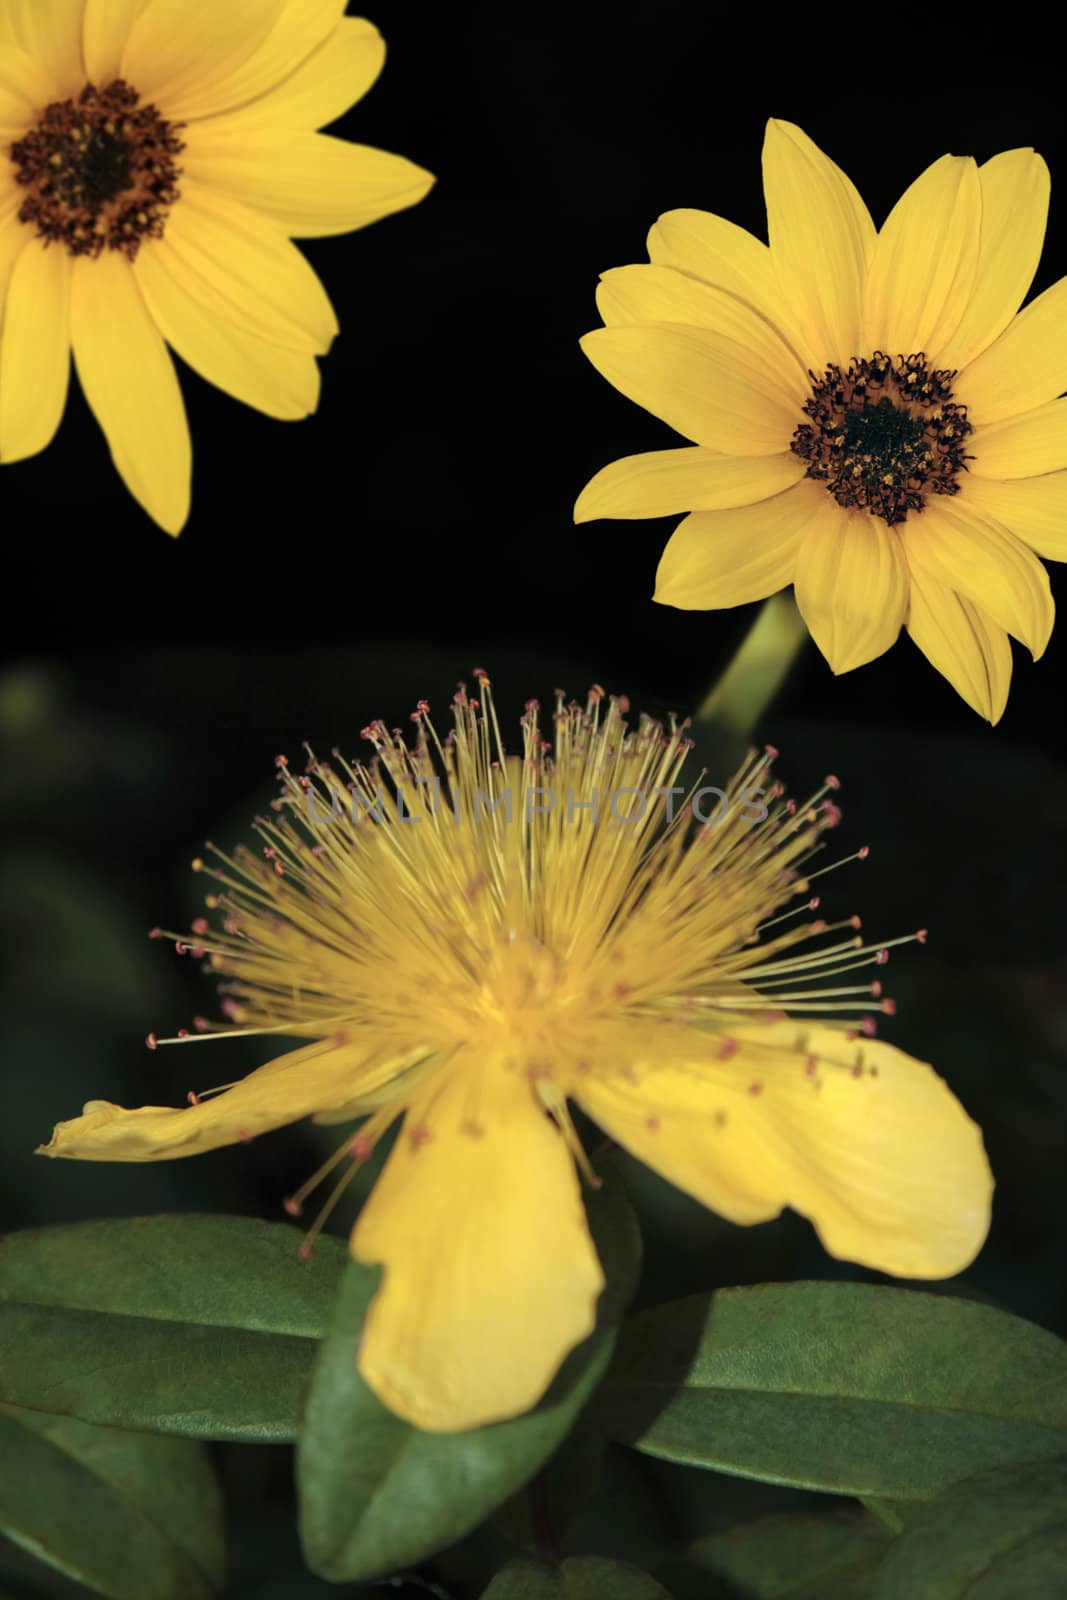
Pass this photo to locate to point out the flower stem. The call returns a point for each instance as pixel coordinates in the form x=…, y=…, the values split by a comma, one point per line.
x=739, y=699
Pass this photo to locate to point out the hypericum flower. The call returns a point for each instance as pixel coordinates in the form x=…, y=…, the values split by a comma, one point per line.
x=470, y=941
x=872, y=423
x=157, y=157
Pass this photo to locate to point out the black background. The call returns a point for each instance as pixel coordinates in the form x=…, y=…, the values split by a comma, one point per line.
x=420, y=525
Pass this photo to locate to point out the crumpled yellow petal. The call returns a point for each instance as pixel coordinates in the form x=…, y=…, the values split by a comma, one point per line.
x=644, y=294
x=34, y=349
x=292, y=1086
x=267, y=286
x=851, y=585
x=1035, y=509
x=707, y=386
x=869, y=1144
x=726, y=558
x=1015, y=191
x=924, y=264
x=332, y=79
x=130, y=384
x=1025, y=367
x=821, y=239
x=281, y=383
x=972, y=553
x=660, y=483
x=312, y=184
x=719, y=252
x=491, y=1277
x=1023, y=446
x=963, y=644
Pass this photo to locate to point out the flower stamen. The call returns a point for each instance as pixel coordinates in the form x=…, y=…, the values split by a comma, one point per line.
x=882, y=435
x=101, y=171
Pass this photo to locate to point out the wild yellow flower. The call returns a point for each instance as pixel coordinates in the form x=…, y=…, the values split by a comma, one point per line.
x=157, y=157
x=871, y=421
x=470, y=941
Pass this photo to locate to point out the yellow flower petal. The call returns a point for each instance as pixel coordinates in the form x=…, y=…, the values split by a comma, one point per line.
x=309, y=182
x=1035, y=509
x=704, y=384
x=282, y=383
x=34, y=350
x=821, y=238
x=721, y=253
x=1023, y=446
x=1015, y=190
x=328, y=83
x=130, y=383
x=491, y=1277
x=871, y=1146
x=643, y=294
x=973, y=553
x=24, y=89
x=176, y=48
x=13, y=237
x=291, y=1087
x=962, y=643
x=50, y=31
x=726, y=558
x=851, y=585
x=300, y=30
x=924, y=264
x=266, y=284
x=663, y=482
x=105, y=30
x=1025, y=367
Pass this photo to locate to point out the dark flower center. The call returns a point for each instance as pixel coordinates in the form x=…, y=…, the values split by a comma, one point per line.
x=883, y=435
x=100, y=171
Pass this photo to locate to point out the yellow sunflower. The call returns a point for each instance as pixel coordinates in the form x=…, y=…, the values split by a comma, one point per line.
x=871, y=421
x=157, y=157
x=466, y=942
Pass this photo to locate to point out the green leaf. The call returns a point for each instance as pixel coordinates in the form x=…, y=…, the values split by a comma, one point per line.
x=199, y=1325
x=132, y=1515
x=783, y=1558
x=853, y=1388
x=998, y=1536
x=377, y=1494
x=580, y=1578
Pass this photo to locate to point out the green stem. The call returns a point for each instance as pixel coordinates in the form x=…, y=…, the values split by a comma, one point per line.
x=886, y=1511
x=739, y=699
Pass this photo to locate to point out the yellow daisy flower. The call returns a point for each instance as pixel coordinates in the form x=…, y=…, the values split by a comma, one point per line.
x=871, y=421
x=157, y=157
x=469, y=941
